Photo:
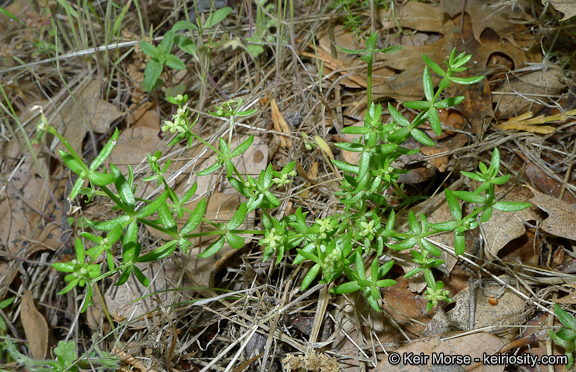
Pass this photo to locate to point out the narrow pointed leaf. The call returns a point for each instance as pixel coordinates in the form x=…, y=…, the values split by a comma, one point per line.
x=105, y=152
x=213, y=248
x=238, y=217
x=243, y=147
x=310, y=276
x=141, y=277
x=421, y=137
x=152, y=207
x=433, y=66
x=428, y=85
x=235, y=241
x=166, y=217
x=159, y=253
x=195, y=218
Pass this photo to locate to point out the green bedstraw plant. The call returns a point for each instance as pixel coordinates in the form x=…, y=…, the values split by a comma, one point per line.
x=566, y=335
x=362, y=231
x=67, y=359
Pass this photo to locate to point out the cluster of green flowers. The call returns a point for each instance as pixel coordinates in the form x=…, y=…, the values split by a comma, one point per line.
x=180, y=118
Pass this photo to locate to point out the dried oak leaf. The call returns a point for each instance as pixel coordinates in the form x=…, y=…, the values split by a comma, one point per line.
x=561, y=215
x=87, y=112
x=568, y=7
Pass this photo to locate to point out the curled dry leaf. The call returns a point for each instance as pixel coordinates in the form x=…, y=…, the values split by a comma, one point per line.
x=280, y=124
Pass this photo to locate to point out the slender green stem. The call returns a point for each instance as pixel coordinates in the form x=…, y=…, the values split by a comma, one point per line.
x=369, y=83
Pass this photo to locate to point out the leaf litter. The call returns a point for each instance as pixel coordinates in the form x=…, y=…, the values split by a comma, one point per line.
x=498, y=37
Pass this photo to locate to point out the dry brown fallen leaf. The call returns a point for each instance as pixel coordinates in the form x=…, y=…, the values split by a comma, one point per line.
x=511, y=101
x=131, y=301
x=87, y=112
x=472, y=345
x=568, y=299
x=504, y=227
x=408, y=85
x=501, y=18
x=35, y=327
x=568, y=7
x=561, y=215
x=27, y=213
x=505, y=308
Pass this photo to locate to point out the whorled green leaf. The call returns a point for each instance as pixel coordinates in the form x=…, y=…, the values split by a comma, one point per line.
x=469, y=197
x=385, y=283
x=213, y=248
x=565, y=318
x=125, y=275
x=467, y=81
x=422, y=137
x=211, y=169
x=195, y=218
x=71, y=162
x=238, y=217
x=433, y=65
x=65, y=267
x=123, y=188
x=106, y=151
x=505, y=206
x=166, y=217
x=434, y=119
x=235, y=241
x=417, y=105
x=405, y=244
x=449, y=102
x=431, y=247
x=428, y=85
x=473, y=176
x=353, y=147
x=151, y=208
x=242, y=147
x=309, y=278
x=397, y=116
x=159, y=253
x=140, y=276
x=131, y=249
x=487, y=213
x=348, y=287
x=308, y=255
x=101, y=179
x=76, y=188
x=356, y=130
